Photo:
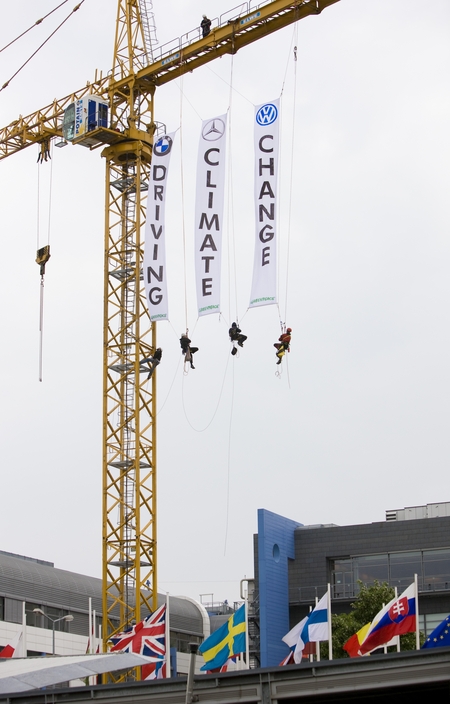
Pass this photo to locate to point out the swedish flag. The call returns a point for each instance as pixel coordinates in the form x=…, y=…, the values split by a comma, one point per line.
x=226, y=642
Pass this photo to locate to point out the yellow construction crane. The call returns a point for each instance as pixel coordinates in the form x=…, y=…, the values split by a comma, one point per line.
x=116, y=112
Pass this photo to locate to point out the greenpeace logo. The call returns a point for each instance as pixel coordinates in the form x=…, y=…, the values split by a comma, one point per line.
x=201, y=310
x=160, y=315
x=260, y=300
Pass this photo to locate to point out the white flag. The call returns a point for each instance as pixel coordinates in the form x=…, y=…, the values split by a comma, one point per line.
x=209, y=213
x=155, y=230
x=267, y=119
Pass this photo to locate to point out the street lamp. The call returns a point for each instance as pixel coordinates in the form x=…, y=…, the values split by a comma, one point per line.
x=68, y=617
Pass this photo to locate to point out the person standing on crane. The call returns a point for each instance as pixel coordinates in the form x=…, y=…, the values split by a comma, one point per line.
x=205, y=26
x=236, y=336
x=186, y=349
x=282, y=345
x=153, y=361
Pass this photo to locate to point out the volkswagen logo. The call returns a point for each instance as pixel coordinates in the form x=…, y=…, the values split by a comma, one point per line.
x=266, y=114
x=163, y=146
x=213, y=130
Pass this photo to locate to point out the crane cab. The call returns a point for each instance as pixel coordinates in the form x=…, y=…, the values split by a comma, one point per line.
x=85, y=116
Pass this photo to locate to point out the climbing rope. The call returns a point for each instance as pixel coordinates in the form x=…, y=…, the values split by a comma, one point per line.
x=292, y=53
x=202, y=430
x=232, y=269
x=230, y=425
x=290, y=181
x=183, y=225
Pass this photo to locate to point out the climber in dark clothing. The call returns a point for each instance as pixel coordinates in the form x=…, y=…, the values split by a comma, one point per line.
x=153, y=361
x=283, y=344
x=236, y=336
x=205, y=26
x=186, y=349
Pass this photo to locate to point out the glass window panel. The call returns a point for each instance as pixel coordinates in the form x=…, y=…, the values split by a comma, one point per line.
x=342, y=564
x=436, y=569
x=369, y=568
x=32, y=618
x=342, y=578
x=403, y=567
x=431, y=622
x=2, y=609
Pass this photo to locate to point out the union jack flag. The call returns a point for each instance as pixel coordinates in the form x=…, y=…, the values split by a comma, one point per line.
x=154, y=671
x=146, y=638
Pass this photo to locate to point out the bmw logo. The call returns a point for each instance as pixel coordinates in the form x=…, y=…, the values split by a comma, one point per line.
x=163, y=146
x=266, y=114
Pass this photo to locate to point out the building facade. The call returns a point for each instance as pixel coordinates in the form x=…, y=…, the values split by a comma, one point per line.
x=27, y=584
x=294, y=564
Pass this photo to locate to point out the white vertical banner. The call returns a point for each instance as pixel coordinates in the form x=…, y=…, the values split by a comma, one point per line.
x=266, y=140
x=209, y=213
x=155, y=230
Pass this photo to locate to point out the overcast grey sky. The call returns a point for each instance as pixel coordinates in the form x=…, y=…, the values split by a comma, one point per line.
x=359, y=420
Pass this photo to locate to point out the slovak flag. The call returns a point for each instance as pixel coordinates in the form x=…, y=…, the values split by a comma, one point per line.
x=147, y=638
x=394, y=619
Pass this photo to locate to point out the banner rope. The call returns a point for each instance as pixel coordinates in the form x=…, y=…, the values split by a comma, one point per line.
x=183, y=214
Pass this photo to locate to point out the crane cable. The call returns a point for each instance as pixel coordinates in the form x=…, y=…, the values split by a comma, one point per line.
x=77, y=7
x=43, y=255
x=39, y=21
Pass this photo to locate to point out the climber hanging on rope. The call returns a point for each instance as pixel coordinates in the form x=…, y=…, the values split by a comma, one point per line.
x=153, y=361
x=186, y=349
x=236, y=337
x=283, y=343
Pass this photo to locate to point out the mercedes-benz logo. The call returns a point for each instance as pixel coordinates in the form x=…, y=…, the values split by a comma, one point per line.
x=163, y=146
x=266, y=114
x=213, y=130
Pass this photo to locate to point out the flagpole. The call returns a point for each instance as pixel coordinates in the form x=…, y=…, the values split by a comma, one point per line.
x=330, y=635
x=317, y=642
x=24, y=631
x=398, y=637
x=244, y=596
x=247, y=644
x=90, y=626
x=416, y=590
x=167, y=639
x=311, y=656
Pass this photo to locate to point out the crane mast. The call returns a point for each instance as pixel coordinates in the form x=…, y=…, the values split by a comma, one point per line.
x=129, y=430
x=129, y=400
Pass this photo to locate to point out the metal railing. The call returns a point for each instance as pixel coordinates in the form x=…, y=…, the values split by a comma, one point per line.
x=194, y=35
x=308, y=594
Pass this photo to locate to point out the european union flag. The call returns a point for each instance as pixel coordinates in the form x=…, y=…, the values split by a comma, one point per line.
x=440, y=635
x=226, y=642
